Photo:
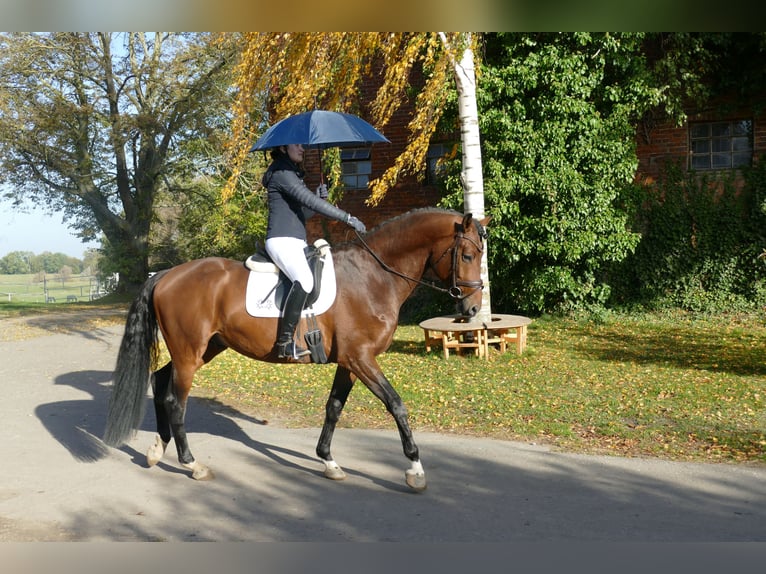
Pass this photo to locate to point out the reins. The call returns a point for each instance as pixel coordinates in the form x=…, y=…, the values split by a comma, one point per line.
x=454, y=290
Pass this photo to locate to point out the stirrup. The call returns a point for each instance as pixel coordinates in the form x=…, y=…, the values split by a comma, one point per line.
x=290, y=350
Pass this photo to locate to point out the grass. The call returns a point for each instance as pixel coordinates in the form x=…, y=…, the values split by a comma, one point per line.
x=31, y=289
x=673, y=386
x=666, y=385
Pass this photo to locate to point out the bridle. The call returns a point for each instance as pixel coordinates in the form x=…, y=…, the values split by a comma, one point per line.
x=455, y=289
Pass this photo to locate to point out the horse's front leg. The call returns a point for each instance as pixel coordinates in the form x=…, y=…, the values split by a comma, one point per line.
x=341, y=387
x=371, y=375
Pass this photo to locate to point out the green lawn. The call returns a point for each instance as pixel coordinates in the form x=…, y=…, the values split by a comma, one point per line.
x=29, y=288
x=672, y=386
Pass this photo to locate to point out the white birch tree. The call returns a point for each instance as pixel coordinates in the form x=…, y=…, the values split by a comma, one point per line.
x=472, y=178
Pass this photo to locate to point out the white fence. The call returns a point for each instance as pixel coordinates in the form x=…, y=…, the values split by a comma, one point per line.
x=51, y=288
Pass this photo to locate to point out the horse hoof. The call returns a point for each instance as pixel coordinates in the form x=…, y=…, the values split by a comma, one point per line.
x=200, y=471
x=415, y=480
x=333, y=471
x=156, y=451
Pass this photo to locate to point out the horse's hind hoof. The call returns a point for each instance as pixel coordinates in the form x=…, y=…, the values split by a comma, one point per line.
x=203, y=473
x=415, y=480
x=156, y=451
x=333, y=471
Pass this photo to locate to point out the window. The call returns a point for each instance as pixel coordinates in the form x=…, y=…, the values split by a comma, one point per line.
x=436, y=169
x=721, y=145
x=356, y=167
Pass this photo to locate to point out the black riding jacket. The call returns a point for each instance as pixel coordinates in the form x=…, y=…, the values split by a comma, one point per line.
x=291, y=203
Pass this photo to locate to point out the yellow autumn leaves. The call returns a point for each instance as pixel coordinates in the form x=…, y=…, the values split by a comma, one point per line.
x=292, y=72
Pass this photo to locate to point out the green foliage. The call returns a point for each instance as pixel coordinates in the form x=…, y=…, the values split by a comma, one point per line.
x=231, y=229
x=21, y=262
x=557, y=114
x=702, y=236
x=15, y=263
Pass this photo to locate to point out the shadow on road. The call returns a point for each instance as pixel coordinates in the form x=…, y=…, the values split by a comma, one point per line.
x=269, y=486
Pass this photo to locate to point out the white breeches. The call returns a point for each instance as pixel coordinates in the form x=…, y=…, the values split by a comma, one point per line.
x=288, y=254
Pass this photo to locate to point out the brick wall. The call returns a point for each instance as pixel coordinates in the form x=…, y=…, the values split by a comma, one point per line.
x=665, y=141
x=657, y=146
x=408, y=194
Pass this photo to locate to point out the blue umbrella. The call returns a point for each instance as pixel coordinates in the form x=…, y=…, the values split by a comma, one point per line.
x=320, y=129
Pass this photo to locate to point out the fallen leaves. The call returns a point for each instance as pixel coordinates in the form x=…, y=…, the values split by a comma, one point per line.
x=633, y=386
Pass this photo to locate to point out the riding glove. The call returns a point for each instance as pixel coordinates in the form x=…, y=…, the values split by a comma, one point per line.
x=356, y=224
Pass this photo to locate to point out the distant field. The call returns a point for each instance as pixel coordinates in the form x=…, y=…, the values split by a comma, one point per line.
x=31, y=288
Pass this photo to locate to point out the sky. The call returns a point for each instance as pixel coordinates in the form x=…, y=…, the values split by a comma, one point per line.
x=37, y=232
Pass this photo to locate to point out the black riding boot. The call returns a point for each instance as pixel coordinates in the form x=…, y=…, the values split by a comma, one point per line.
x=291, y=316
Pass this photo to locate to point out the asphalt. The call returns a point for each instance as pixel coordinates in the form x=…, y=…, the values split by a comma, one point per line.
x=58, y=482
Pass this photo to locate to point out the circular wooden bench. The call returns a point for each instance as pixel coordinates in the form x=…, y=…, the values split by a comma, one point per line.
x=458, y=333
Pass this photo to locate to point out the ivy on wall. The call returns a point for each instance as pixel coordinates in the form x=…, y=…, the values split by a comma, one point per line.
x=701, y=238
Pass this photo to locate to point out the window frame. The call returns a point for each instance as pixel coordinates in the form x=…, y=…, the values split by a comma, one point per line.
x=355, y=157
x=720, y=145
x=436, y=151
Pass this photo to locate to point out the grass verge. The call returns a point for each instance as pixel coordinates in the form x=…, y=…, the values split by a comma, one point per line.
x=673, y=386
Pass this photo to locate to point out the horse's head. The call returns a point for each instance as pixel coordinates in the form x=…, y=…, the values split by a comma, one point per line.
x=462, y=269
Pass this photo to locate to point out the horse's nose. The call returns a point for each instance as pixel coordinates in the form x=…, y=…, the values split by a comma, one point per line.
x=467, y=311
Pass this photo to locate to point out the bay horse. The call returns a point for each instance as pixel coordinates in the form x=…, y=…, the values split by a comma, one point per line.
x=199, y=307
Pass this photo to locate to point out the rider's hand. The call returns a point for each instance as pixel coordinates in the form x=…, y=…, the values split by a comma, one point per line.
x=322, y=191
x=356, y=224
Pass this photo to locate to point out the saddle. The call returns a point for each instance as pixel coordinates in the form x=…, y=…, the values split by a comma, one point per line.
x=267, y=289
x=260, y=262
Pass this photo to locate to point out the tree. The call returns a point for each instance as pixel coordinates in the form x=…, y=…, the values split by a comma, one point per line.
x=91, y=124
x=558, y=115
x=90, y=261
x=65, y=274
x=471, y=176
x=301, y=71
x=16, y=263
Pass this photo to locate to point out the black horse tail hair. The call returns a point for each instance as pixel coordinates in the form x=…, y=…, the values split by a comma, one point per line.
x=135, y=361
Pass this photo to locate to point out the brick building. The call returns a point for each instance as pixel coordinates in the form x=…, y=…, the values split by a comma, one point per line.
x=723, y=137
x=363, y=164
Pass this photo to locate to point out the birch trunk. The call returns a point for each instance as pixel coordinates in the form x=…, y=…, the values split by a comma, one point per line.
x=472, y=178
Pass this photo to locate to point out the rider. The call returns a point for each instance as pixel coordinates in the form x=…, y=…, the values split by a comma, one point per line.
x=291, y=203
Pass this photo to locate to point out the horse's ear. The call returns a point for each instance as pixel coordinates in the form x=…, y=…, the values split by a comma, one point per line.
x=467, y=219
x=480, y=224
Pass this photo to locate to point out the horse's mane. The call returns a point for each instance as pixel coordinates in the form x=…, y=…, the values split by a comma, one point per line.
x=406, y=215
x=399, y=218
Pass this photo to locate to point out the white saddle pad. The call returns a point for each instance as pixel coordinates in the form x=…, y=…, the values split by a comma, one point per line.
x=261, y=286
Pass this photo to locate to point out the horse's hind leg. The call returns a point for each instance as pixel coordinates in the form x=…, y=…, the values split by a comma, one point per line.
x=175, y=405
x=341, y=387
x=160, y=386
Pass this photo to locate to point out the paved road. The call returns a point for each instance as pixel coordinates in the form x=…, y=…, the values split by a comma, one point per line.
x=59, y=482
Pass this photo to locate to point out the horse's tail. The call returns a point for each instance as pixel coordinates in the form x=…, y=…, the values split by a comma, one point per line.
x=135, y=361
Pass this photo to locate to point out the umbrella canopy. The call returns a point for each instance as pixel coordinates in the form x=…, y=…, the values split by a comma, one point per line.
x=320, y=128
